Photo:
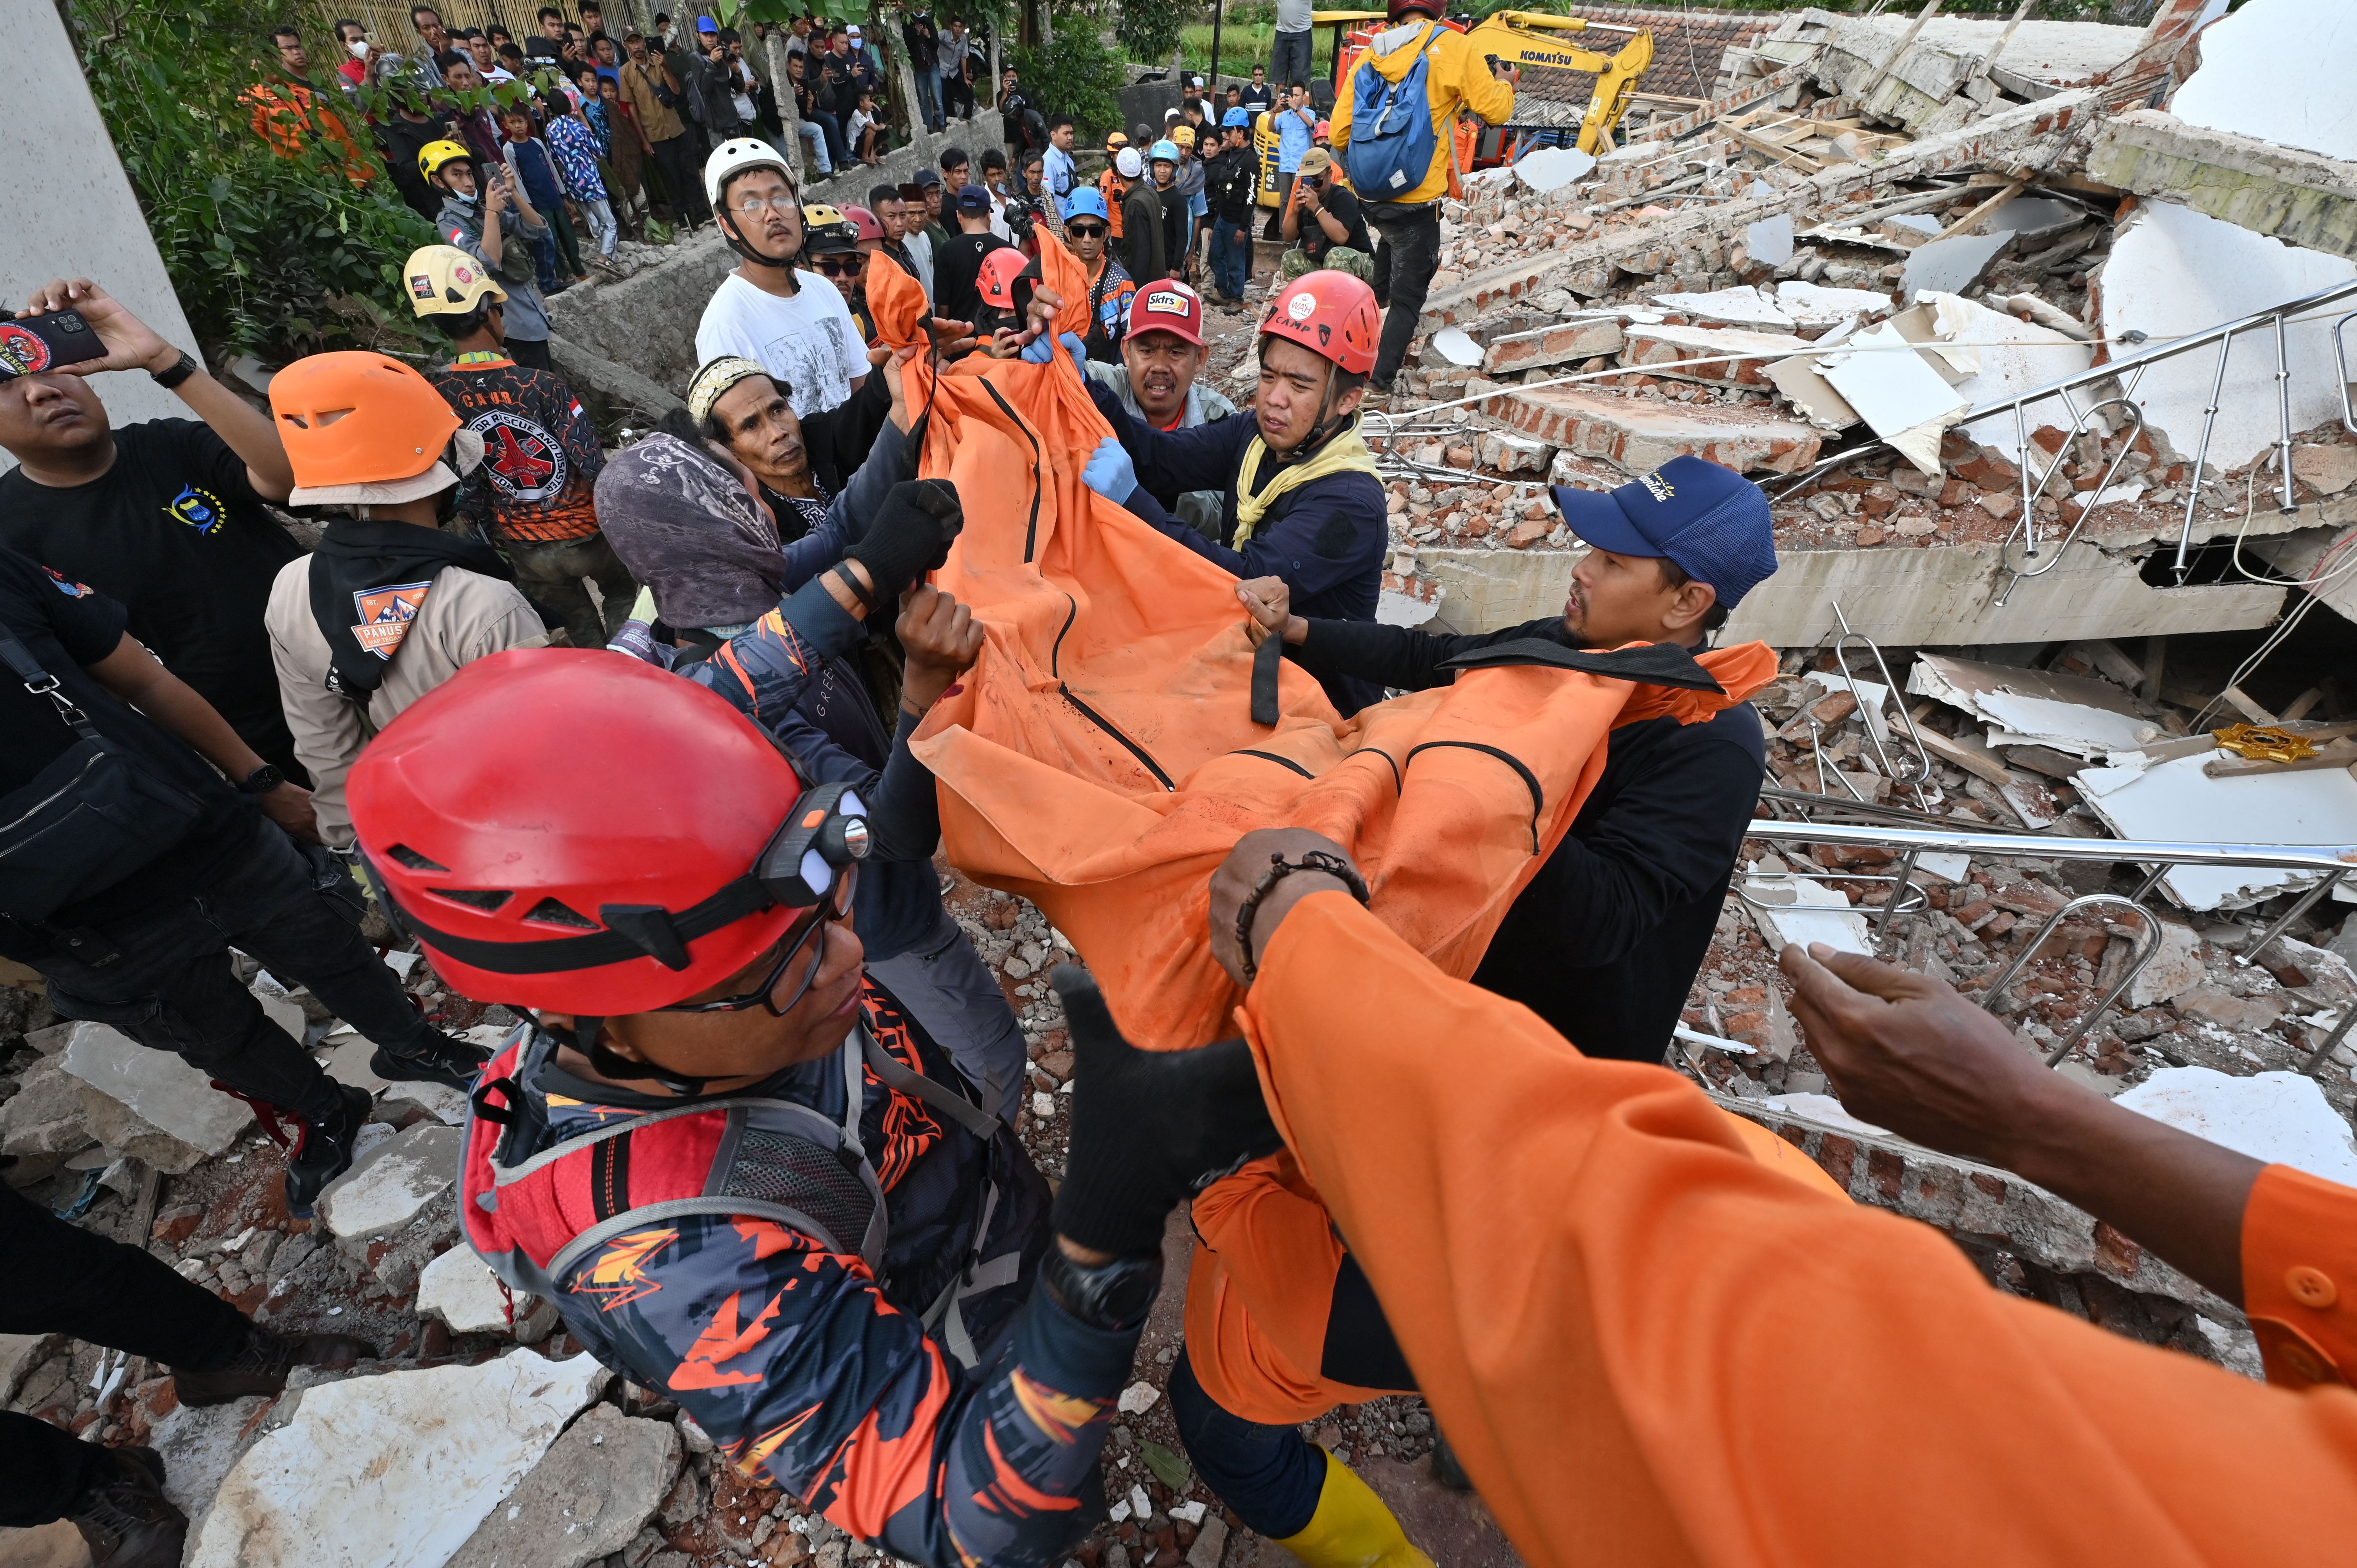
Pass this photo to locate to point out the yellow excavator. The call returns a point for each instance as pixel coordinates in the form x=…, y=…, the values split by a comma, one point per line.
x=1512, y=37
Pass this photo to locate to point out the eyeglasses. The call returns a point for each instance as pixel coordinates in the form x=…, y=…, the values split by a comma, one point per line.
x=1085, y=230
x=754, y=206
x=834, y=907
x=849, y=266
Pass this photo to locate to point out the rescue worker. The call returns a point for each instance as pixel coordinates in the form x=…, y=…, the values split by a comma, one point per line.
x=542, y=454
x=1157, y=380
x=1605, y=941
x=490, y=218
x=832, y=243
x=1301, y=500
x=1177, y=225
x=390, y=604
x=1619, y=1412
x=1087, y=224
x=1138, y=240
x=1403, y=204
x=1232, y=187
x=872, y=1309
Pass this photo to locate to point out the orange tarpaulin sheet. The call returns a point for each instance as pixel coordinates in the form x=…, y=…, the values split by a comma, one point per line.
x=1101, y=759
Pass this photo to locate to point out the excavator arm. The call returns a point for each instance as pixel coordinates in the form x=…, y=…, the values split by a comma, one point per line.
x=1534, y=38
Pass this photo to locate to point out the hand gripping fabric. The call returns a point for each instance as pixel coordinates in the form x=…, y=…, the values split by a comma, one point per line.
x=1101, y=756
x=910, y=535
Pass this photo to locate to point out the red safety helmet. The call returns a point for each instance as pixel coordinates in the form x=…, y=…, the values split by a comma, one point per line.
x=681, y=854
x=1004, y=272
x=870, y=227
x=1398, y=9
x=1329, y=313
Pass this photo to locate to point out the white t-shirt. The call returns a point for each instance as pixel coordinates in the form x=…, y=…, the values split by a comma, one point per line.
x=809, y=340
x=860, y=121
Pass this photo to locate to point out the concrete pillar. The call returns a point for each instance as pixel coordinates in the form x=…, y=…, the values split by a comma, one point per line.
x=65, y=168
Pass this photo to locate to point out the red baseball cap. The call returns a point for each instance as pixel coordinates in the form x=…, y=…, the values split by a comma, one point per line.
x=1167, y=306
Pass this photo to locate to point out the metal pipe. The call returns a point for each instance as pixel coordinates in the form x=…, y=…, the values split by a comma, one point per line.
x=2149, y=945
x=2283, y=417
x=2249, y=955
x=2200, y=457
x=2030, y=497
x=2323, y=1053
x=1898, y=895
x=1920, y=774
x=2341, y=365
x=2325, y=859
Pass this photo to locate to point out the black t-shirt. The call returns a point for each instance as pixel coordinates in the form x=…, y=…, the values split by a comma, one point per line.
x=1258, y=97
x=1344, y=206
x=175, y=533
x=956, y=267
x=67, y=626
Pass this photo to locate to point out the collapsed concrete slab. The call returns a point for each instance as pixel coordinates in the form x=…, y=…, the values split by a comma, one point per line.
x=392, y=1471
x=588, y=1496
x=1943, y=76
x=1639, y=436
x=2302, y=198
x=1551, y=346
x=150, y=1103
x=1728, y=356
x=45, y=1115
x=390, y=1185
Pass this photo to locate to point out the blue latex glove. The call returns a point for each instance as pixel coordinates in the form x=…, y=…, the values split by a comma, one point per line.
x=1039, y=350
x=1109, y=471
x=1079, y=352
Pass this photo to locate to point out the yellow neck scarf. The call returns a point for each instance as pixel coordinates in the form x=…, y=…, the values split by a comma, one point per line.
x=1342, y=455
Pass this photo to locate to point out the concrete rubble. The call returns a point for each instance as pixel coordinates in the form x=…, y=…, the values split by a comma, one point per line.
x=1824, y=263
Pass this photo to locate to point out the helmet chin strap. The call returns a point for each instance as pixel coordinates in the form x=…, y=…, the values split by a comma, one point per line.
x=1327, y=423
x=608, y=1063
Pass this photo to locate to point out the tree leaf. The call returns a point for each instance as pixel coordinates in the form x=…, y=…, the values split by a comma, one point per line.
x=1167, y=1467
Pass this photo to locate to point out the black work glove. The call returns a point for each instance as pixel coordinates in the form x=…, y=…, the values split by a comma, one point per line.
x=1149, y=1128
x=908, y=536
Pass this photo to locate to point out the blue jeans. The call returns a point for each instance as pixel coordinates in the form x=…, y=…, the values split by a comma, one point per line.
x=544, y=258
x=929, y=98
x=814, y=139
x=827, y=122
x=1231, y=256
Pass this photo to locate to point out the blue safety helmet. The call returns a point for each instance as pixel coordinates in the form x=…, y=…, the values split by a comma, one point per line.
x=1087, y=200
x=1236, y=119
x=1163, y=152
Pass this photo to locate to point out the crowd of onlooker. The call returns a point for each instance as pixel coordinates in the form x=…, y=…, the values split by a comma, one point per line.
x=615, y=124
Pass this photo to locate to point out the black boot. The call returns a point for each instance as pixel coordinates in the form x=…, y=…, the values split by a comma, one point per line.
x=262, y=1363
x=452, y=1061
x=123, y=1515
x=324, y=1151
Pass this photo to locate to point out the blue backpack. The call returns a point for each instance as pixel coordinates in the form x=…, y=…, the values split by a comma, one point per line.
x=1391, y=131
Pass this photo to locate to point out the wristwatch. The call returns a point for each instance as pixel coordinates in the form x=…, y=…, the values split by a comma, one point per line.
x=262, y=781
x=181, y=370
x=1115, y=1295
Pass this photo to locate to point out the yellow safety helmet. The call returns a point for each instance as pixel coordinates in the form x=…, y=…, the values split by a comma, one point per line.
x=434, y=155
x=444, y=281
x=1184, y=135
x=819, y=214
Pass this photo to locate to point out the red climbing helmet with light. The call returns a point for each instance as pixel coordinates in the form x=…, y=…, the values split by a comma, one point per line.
x=684, y=849
x=1004, y=281
x=1329, y=313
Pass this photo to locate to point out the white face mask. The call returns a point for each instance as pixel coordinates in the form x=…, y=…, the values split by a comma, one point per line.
x=360, y=47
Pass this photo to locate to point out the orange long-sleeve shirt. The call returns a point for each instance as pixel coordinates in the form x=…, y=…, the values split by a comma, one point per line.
x=1649, y=1349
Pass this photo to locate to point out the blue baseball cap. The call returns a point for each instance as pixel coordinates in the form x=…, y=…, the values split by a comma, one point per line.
x=973, y=201
x=1088, y=201
x=1709, y=522
x=707, y=25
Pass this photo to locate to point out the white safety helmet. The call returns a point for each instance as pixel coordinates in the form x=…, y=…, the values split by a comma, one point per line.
x=733, y=157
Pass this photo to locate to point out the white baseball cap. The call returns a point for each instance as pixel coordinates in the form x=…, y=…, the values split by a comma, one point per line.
x=1130, y=164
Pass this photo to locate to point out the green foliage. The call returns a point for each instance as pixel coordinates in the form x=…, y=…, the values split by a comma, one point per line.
x=1167, y=1467
x=1075, y=75
x=276, y=256
x=1148, y=29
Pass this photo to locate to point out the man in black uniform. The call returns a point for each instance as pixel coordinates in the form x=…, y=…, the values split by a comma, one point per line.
x=165, y=515
x=1605, y=943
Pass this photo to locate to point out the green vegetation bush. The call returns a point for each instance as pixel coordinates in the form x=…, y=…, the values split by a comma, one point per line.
x=1074, y=74
x=273, y=256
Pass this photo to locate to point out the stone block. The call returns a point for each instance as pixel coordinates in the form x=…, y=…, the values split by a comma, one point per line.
x=396, y=1469
x=460, y=1289
x=392, y=1183
x=19, y=1354
x=1515, y=453
x=588, y=1496
x=1665, y=350
x=2176, y=967
x=157, y=1093
x=45, y=1116
x=1639, y=435
x=1557, y=345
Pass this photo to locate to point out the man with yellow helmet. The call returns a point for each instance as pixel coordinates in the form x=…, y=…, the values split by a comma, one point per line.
x=486, y=216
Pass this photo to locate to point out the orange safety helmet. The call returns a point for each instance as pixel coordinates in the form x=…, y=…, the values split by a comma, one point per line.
x=363, y=427
x=1000, y=284
x=1329, y=313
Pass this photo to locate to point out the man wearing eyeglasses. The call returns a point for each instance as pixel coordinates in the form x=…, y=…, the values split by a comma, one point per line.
x=770, y=310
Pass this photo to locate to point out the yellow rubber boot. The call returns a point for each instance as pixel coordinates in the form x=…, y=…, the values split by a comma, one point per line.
x=1353, y=1528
